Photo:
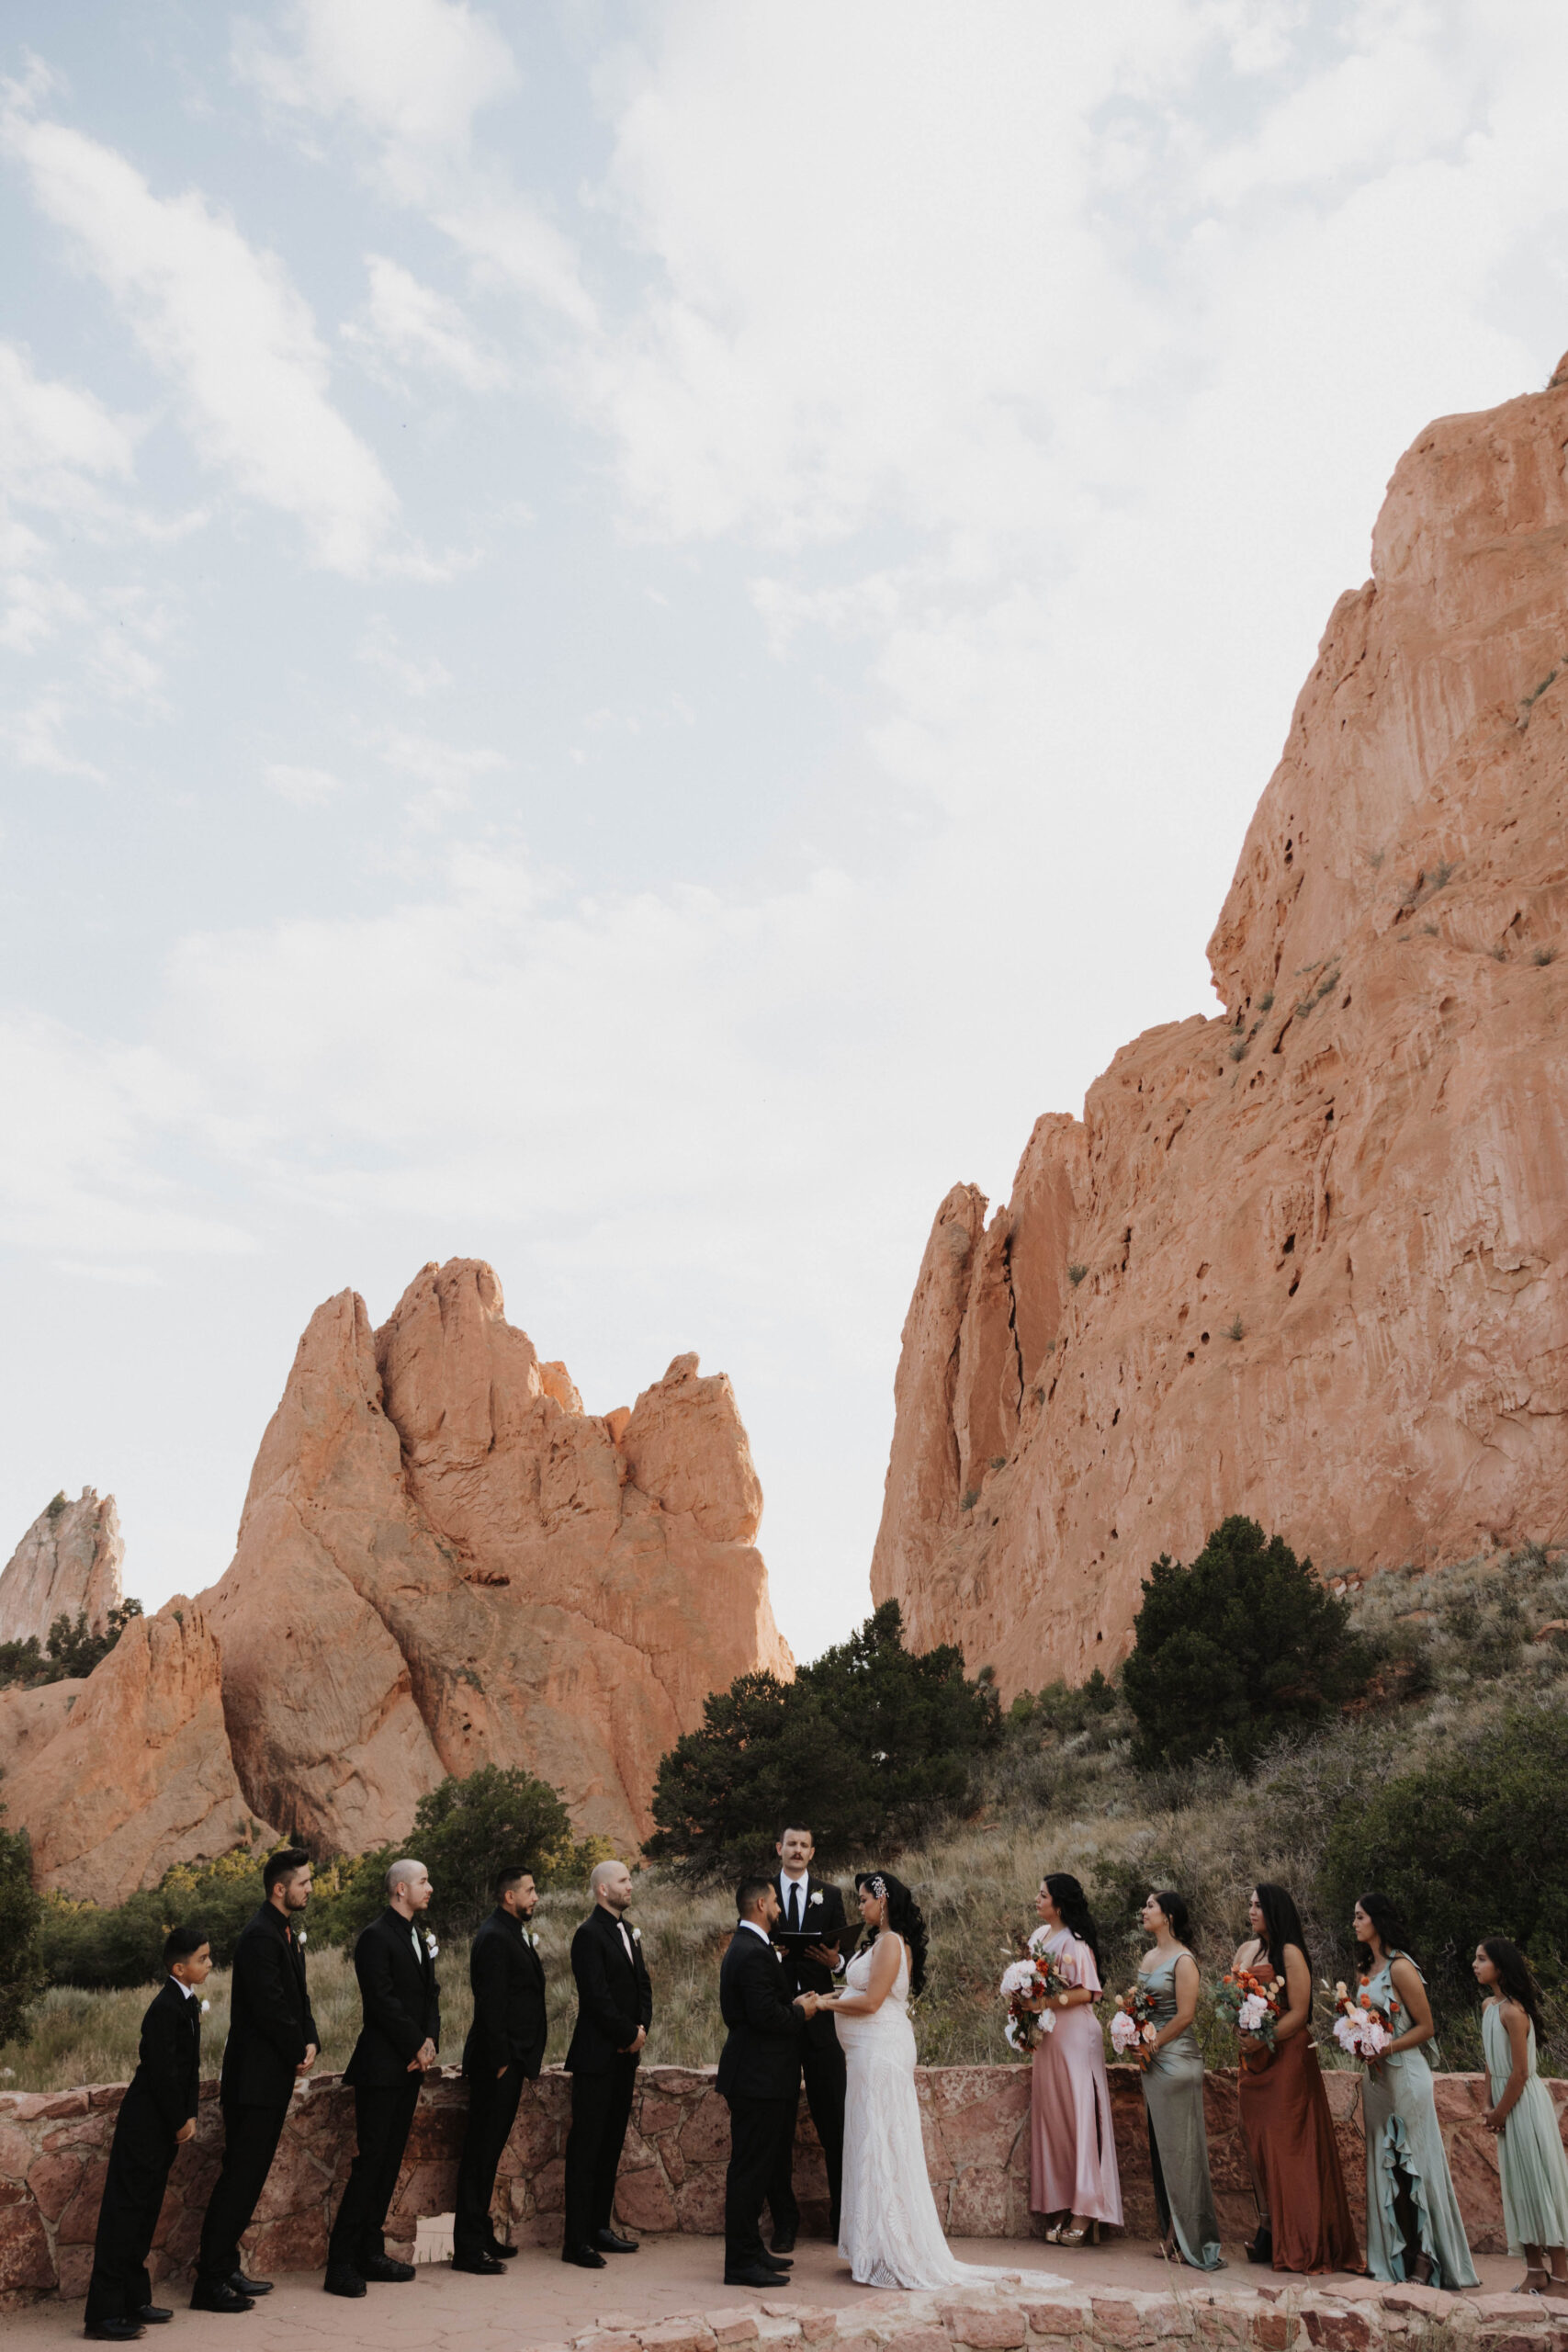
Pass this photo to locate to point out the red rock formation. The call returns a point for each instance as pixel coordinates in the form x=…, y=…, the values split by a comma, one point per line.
x=1305, y=1260
x=67, y=1564
x=445, y=1562
x=138, y=1776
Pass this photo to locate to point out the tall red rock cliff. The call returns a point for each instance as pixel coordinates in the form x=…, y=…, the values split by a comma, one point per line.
x=67, y=1564
x=1305, y=1260
x=445, y=1562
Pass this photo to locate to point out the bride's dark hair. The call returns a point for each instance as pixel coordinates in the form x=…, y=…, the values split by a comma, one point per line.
x=905, y=1918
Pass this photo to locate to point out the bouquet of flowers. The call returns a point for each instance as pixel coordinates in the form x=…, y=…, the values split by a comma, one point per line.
x=1133, y=2026
x=1025, y=1982
x=1247, y=2005
x=1360, y=2028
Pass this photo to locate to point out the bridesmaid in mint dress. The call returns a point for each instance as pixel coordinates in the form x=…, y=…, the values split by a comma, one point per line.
x=1530, y=2161
x=1173, y=2090
x=1414, y=2229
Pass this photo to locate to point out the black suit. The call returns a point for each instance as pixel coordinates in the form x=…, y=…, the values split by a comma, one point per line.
x=759, y=2075
x=822, y=2056
x=162, y=2096
x=402, y=2010
x=270, y=2027
x=506, y=2045
x=613, y=1997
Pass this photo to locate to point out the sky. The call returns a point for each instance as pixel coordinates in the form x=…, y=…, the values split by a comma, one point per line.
x=632, y=635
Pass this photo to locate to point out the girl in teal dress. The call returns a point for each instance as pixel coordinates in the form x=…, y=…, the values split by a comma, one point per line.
x=1414, y=2229
x=1530, y=2161
x=1173, y=2091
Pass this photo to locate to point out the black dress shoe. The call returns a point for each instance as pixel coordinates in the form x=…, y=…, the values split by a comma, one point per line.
x=778, y=2261
x=608, y=2242
x=483, y=2265
x=753, y=2276
x=503, y=2253
x=783, y=2242
x=113, y=2331
x=244, y=2286
x=585, y=2257
x=382, y=2270
x=154, y=2316
x=341, y=2280
x=217, y=2296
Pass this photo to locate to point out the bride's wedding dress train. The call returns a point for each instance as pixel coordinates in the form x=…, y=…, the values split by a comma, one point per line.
x=888, y=2229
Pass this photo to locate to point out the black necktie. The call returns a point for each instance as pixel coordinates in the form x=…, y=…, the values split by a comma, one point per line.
x=795, y=1906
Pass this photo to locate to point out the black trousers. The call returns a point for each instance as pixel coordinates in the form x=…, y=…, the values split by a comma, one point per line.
x=822, y=2067
x=139, y=2162
x=492, y=2111
x=382, y=2114
x=760, y=2130
x=250, y=2143
x=601, y=2110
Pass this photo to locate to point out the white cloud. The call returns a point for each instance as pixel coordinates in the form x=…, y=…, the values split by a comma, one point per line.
x=306, y=787
x=380, y=649
x=58, y=443
x=414, y=326
x=35, y=738
x=223, y=321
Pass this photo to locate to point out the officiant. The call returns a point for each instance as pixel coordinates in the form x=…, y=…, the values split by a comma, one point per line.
x=810, y=1931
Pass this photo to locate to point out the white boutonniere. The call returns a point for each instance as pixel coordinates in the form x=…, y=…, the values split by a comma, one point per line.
x=431, y=1946
x=205, y=2006
x=300, y=1938
x=815, y=1896
x=531, y=1938
x=637, y=1935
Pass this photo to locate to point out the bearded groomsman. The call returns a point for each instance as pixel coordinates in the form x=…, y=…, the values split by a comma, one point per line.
x=395, y=1963
x=810, y=1929
x=615, y=2010
x=759, y=2078
x=504, y=2049
x=273, y=2040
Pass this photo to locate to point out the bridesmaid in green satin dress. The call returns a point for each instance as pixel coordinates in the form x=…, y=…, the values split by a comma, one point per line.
x=1533, y=2168
x=1173, y=2090
x=1414, y=2229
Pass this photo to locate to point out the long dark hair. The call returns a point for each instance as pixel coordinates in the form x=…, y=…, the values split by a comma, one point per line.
x=1390, y=1927
x=1071, y=1904
x=905, y=1918
x=1281, y=1925
x=1178, y=1917
x=1515, y=1977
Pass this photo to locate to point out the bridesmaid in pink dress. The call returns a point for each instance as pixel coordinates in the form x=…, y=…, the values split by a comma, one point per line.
x=1073, y=2178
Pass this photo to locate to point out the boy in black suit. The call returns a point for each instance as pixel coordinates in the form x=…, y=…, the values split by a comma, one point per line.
x=506, y=2045
x=615, y=2010
x=811, y=1930
x=759, y=2075
x=273, y=2040
x=156, y=2116
x=394, y=1961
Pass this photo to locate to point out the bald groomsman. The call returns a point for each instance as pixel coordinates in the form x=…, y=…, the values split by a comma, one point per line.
x=615, y=2010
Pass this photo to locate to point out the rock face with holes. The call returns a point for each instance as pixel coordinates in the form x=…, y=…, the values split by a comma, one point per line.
x=1305, y=1260
x=67, y=1564
x=445, y=1562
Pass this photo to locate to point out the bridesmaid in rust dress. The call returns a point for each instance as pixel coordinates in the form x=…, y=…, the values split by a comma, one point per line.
x=1284, y=2108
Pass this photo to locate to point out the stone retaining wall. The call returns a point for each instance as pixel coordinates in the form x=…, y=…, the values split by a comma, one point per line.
x=54, y=2146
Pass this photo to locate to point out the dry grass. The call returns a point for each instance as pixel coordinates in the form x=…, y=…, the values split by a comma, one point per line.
x=1052, y=1800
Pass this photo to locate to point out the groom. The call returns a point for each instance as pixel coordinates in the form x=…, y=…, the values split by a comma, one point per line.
x=759, y=2076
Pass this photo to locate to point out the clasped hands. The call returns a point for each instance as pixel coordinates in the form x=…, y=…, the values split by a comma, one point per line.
x=423, y=2058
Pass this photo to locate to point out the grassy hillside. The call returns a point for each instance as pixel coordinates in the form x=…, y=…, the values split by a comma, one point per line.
x=1456, y=1649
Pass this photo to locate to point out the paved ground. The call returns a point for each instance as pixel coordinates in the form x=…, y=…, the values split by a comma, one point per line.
x=542, y=2300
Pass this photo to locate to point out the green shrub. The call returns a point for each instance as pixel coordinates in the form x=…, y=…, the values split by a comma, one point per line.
x=71, y=1652
x=110, y=1946
x=21, y=1968
x=1473, y=1844
x=864, y=1747
x=1232, y=1651
x=465, y=1830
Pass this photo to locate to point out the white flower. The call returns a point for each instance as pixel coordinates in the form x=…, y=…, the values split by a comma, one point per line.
x=1252, y=2014
x=431, y=1946
x=1123, y=2033
x=300, y=1937
x=205, y=2006
x=532, y=1938
x=1046, y=2021
x=637, y=1935
x=1019, y=1978
x=1345, y=2033
x=815, y=1898
x=1150, y=2031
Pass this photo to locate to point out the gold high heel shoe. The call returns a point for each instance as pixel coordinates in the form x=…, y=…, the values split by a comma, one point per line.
x=1087, y=2235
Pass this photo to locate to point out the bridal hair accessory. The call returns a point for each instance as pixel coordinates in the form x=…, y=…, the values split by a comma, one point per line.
x=879, y=1888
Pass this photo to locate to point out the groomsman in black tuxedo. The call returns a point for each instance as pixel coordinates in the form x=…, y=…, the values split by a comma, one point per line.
x=273, y=2040
x=615, y=2010
x=811, y=1930
x=758, y=2075
x=156, y=2116
x=505, y=2048
x=395, y=1963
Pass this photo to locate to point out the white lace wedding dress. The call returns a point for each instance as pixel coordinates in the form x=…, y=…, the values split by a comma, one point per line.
x=888, y=2229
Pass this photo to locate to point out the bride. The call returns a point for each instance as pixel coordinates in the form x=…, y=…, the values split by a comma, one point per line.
x=889, y=2232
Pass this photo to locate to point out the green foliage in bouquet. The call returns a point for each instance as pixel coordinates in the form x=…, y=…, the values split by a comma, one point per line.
x=1243, y=1646
x=863, y=1748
